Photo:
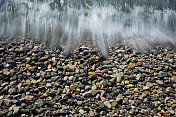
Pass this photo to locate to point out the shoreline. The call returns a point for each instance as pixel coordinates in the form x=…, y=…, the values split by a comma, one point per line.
x=38, y=81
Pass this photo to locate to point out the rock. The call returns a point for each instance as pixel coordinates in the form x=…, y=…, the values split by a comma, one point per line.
x=7, y=102
x=48, y=85
x=11, y=108
x=94, y=87
x=118, y=79
x=102, y=98
x=39, y=103
x=94, y=92
x=122, y=67
x=87, y=94
x=81, y=111
x=127, y=82
x=146, y=87
x=29, y=97
x=172, y=112
x=3, y=112
x=16, y=110
x=9, y=114
x=149, y=106
x=173, y=79
x=54, y=78
x=107, y=104
x=91, y=113
x=132, y=111
x=72, y=87
x=79, y=102
x=12, y=91
x=6, y=72
x=70, y=66
x=159, y=82
x=148, y=84
x=2, y=50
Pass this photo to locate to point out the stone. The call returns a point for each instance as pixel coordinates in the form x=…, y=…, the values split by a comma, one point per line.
x=81, y=111
x=12, y=91
x=148, y=84
x=173, y=78
x=127, y=82
x=91, y=114
x=11, y=108
x=72, y=87
x=118, y=79
x=94, y=92
x=3, y=112
x=16, y=110
x=29, y=97
x=48, y=85
x=39, y=102
x=102, y=98
x=94, y=87
x=146, y=87
x=9, y=114
x=132, y=111
x=79, y=102
x=7, y=102
x=87, y=95
x=107, y=104
x=159, y=82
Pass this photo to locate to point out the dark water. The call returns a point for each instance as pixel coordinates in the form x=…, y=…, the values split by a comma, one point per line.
x=137, y=23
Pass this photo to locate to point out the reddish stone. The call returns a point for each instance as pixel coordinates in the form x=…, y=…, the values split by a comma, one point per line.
x=173, y=78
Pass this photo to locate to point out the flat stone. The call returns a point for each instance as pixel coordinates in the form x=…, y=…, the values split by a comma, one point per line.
x=81, y=111
x=148, y=84
x=94, y=92
x=29, y=97
x=159, y=82
x=91, y=114
x=146, y=87
x=16, y=110
x=3, y=112
x=12, y=91
x=107, y=104
x=87, y=95
x=7, y=102
x=72, y=87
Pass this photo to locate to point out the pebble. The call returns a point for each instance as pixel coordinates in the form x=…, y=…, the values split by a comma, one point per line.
x=173, y=79
x=29, y=97
x=35, y=81
x=81, y=111
x=7, y=102
x=132, y=111
x=107, y=104
x=159, y=82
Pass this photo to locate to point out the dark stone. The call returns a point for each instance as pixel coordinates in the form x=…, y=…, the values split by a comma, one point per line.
x=149, y=106
x=87, y=95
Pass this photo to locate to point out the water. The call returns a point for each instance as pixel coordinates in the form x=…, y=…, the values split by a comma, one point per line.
x=136, y=23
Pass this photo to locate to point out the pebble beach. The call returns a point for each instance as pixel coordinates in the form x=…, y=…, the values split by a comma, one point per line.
x=37, y=81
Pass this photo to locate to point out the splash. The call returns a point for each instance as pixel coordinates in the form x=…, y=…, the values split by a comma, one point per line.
x=136, y=23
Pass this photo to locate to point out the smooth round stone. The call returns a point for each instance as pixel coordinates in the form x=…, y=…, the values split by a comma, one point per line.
x=87, y=95
x=81, y=111
x=132, y=111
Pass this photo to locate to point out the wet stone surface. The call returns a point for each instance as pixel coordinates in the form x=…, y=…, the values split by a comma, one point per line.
x=37, y=81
